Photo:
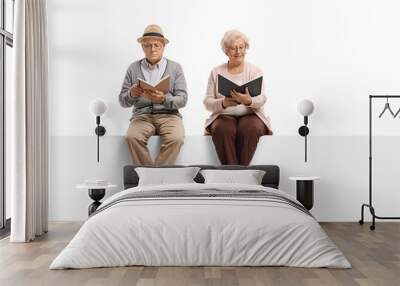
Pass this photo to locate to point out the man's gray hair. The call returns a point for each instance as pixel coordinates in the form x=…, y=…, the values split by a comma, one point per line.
x=231, y=36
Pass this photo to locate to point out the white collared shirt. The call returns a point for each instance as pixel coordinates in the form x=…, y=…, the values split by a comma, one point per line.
x=153, y=74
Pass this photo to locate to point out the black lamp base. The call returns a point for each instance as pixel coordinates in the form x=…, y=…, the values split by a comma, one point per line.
x=303, y=130
x=96, y=195
x=100, y=130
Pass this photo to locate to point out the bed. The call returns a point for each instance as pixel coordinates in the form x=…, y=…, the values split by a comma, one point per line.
x=201, y=224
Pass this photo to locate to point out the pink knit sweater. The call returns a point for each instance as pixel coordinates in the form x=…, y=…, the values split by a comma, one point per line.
x=213, y=99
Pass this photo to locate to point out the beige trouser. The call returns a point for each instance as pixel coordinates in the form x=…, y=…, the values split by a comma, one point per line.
x=168, y=126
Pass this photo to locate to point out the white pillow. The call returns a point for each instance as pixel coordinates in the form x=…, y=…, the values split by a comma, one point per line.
x=164, y=176
x=248, y=177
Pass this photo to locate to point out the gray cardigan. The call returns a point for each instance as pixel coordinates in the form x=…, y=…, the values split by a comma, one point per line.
x=176, y=97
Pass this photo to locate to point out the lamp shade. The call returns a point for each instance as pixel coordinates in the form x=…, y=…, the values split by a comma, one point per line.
x=97, y=107
x=305, y=107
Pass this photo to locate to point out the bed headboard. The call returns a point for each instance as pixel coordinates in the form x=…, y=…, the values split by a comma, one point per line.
x=270, y=179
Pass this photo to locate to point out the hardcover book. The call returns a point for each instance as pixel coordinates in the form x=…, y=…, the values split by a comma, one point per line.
x=225, y=86
x=162, y=85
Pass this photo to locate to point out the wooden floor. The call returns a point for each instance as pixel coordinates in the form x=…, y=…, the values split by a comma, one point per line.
x=375, y=257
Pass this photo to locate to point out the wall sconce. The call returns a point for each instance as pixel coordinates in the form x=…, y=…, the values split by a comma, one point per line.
x=97, y=107
x=305, y=108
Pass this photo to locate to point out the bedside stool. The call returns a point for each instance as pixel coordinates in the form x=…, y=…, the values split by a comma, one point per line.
x=96, y=193
x=305, y=190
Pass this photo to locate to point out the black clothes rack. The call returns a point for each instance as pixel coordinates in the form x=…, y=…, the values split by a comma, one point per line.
x=370, y=205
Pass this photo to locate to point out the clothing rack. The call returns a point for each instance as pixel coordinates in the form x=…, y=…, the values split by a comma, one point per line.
x=370, y=205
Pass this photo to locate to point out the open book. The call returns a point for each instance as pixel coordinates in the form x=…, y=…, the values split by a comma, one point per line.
x=225, y=86
x=162, y=85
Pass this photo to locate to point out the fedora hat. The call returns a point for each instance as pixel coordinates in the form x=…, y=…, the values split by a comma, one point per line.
x=153, y=32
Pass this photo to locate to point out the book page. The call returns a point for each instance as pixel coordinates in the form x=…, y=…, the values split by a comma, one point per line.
x=162, y=85
x=145, y=85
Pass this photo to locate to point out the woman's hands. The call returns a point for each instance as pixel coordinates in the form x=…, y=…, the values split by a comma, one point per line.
x=241, y=98
x=237, y=98
x=228, y=102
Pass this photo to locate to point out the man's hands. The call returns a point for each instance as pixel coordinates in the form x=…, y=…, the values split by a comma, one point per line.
x=155, y=96
x=136, y=90
x=152, y=95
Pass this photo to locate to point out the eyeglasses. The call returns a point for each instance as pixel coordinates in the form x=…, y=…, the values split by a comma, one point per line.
x=156, y=46
x=238, y=48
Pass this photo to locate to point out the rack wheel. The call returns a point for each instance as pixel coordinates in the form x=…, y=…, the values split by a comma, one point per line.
x=361, y=222
x=372, y=227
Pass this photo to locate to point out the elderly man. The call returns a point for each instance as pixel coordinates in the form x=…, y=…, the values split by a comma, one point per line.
x=154, y=113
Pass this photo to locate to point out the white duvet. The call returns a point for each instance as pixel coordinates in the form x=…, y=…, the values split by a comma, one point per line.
x=200, y=231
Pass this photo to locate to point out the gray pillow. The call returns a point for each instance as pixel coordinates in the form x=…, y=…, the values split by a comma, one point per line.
x=164, y=176
x=247, y=177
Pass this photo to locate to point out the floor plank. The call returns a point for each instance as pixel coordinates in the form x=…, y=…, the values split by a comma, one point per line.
x=375, y=257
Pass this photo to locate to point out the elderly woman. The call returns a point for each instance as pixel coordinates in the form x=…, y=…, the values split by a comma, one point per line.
x=237, y=122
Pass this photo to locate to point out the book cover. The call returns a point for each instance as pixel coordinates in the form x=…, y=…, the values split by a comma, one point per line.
x=225, y=86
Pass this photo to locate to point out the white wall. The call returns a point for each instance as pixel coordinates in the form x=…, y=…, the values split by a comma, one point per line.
x=333, y=52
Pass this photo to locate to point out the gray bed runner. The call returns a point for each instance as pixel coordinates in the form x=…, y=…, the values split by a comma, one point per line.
x=206, y=194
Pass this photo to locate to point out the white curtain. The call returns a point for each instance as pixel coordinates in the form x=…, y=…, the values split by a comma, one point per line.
x=28, y=158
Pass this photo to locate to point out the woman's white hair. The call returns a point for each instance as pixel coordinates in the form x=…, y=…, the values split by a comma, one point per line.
x=231, y=36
